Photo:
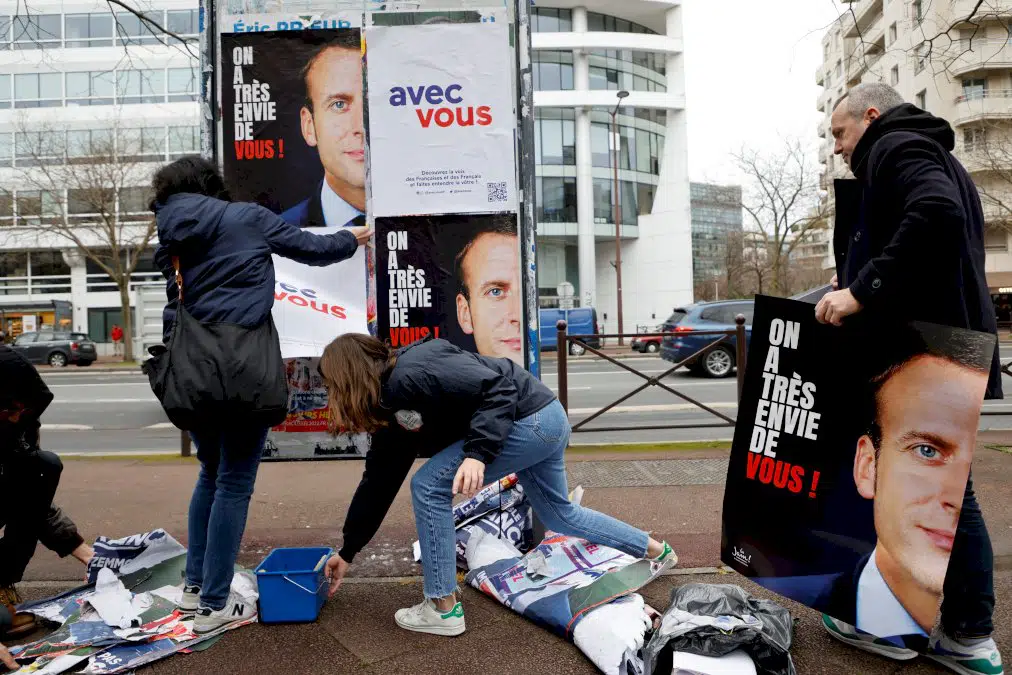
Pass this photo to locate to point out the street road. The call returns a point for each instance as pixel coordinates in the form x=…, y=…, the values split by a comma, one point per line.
x=116, y=412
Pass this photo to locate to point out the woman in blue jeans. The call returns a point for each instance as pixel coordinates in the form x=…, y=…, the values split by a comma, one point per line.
x=225, y=250
x=479, y=419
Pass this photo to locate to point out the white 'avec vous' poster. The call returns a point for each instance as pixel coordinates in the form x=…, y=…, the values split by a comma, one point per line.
x=441, y=119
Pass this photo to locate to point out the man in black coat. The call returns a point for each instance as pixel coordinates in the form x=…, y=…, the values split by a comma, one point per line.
x=909, y=245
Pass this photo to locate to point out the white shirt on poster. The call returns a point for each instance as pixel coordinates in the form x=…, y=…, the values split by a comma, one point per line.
x=878, y=610
x=336, y=211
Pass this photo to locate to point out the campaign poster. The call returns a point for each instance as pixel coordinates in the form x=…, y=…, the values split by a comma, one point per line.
x=294, y=142
x=849, y=462
x=441, y=119
x=455, y=277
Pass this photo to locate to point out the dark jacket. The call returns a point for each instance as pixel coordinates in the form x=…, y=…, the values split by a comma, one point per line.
x=225, y=252
x=909, y=237
x=25, y=395
x=459, y=395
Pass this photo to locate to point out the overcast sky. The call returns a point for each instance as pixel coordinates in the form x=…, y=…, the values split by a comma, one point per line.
x=750, y=77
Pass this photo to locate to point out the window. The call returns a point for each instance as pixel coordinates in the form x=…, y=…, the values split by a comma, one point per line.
x=186, y=141
x=603, y=22
x=604, y=207
x=922, y=99
x=556, y=200
x=995, y=238
x=182, y=84
x=182, y=22
x=921, y=60
x=33, y=148
x=140, y=86
x=5, y=31
x=916, y=12
x=6, y=215
x=974, y=89
x=25, y=339
x=546, y=20
x=89, y=143
x=38, y=90
x=974, y=138
x=553, y=71
x=551, y=142
x=130, y=29
x=892, y=33
x=142, y=144
x=91, y=88
x=38, y=31
x=35, y=205
x=134, y=201
x=100, y=323
x=48, y=264
x=894, y=76
x=839, y=68
x=5, y=91
x=88, y=30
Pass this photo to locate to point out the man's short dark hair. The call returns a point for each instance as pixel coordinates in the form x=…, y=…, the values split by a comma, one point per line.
x=501, y=225
x=964, y=348
x=191, y=174
x=346, y=38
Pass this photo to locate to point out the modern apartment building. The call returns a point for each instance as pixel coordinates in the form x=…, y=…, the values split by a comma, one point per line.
x=716, y=215
x=76, y=81
x=585, y=53
x=963, y=75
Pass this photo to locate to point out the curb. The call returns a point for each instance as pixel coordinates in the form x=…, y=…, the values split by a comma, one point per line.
x=674, y=572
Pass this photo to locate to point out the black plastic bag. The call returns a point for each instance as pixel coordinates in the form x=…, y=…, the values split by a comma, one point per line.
x=715, y=620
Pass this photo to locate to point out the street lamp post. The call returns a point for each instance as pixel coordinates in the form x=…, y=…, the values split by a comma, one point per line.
x=618, y=214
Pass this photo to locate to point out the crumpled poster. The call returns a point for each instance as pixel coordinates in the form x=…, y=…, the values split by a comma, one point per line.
x=129, y=554
x=582, y=592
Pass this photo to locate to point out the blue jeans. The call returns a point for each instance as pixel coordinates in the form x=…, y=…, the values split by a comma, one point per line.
x=533, y=451
x=229, y=460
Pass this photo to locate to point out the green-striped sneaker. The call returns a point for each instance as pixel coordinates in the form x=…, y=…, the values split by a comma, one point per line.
x=425, y=618
x=850, y=635
x=666, y=554
x=979, y=659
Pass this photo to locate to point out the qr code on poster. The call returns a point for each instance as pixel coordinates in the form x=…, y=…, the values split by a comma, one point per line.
x=497, y=192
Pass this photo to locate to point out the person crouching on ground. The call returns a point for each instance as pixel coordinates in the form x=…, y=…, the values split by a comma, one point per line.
x=480, y=419
x=29, y=477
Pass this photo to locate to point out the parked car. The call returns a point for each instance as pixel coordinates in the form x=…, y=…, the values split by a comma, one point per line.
x=719, y=361
x=580, y=321
x=648, y=345
x=58, y=349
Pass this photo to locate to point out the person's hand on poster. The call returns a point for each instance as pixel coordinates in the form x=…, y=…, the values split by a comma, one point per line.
x=336, y=568
x=470, y=477
x=837, y=306
x=7, y=660
x=363, y=234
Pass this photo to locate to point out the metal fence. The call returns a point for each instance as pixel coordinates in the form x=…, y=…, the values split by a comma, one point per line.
x=565, y=340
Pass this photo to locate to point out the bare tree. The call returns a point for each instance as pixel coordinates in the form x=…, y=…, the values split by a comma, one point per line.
x=88, y=191
x=987, y=151
x=783, y=204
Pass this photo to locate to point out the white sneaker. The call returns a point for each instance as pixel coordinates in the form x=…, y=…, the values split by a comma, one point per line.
x=982, y=658
x=236, y=610
x=191, y=599
x=425, y=618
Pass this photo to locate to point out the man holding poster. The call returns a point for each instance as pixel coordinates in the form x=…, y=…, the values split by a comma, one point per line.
x=925, y=205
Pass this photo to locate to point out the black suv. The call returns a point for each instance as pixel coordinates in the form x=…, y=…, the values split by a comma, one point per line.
x=58, y=349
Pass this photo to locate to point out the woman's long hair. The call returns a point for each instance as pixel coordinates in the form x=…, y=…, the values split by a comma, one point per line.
x=351, y=367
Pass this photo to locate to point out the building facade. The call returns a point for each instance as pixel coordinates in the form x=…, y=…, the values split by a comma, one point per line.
x=963, y=76
x=77, y=81
x=584, y=53
x=716, y=216
x=75, y=68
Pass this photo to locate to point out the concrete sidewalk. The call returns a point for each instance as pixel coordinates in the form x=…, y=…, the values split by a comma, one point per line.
x=677, y=495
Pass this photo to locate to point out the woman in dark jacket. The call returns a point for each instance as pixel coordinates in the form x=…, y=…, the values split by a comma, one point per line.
x=225, y=249
x=480, y=419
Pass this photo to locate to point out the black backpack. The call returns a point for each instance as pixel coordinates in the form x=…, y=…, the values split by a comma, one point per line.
x=216, y=374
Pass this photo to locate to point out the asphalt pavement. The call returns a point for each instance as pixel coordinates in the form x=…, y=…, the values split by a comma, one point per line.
x=115, y=412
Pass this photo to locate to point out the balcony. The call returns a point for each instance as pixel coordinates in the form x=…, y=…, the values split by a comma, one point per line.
x=820, y=76
x=868, y=12
x=987, y=104
x=980, y=54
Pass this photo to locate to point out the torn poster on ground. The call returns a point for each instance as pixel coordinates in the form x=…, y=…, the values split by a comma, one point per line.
x=582, y=592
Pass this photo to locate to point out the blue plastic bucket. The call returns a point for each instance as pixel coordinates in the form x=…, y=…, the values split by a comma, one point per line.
x=292, y=584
